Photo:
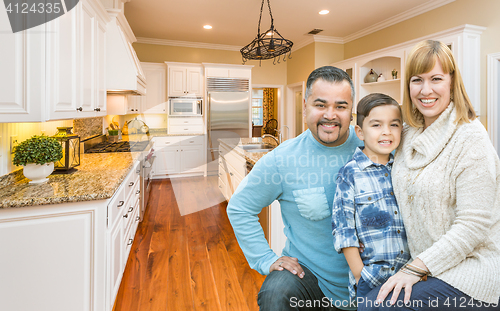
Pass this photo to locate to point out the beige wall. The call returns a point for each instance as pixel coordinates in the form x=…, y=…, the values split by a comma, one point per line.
x=264, y=73
x=327, y=53
x=301, y=64
x=481, y=13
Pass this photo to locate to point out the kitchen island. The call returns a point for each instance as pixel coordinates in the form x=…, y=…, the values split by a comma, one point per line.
x=235, y=161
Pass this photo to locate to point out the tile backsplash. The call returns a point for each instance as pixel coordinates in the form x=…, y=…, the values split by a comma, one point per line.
x=22, y=131
x=88, y=127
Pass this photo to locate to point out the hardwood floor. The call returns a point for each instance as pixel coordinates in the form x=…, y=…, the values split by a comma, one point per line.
x=190, y=262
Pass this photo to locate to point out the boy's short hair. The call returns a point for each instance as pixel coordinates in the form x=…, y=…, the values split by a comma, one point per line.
x=370, y=101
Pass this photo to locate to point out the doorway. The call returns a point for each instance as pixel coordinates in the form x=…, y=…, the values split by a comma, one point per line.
x=294, y=113
x=257, y=111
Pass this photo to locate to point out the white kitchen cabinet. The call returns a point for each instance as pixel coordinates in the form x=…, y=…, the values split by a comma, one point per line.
x=156, y=93
x=54, y=257
x=184, y=79
x=227, y=71
x=122, y=104
x=167, y=161
x=52, y=71
x=232, y=170
x=179, y=156
x=185, y=125
x=121, y=222
x=464, y=42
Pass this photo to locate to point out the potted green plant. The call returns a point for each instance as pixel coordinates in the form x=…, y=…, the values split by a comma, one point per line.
x=394, y=73
x=37, y=156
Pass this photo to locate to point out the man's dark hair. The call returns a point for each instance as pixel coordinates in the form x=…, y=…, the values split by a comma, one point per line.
x=329, y=74
x=370, y=101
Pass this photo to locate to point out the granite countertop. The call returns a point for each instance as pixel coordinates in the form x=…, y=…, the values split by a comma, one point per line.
x=251, y=157
x=98, y=177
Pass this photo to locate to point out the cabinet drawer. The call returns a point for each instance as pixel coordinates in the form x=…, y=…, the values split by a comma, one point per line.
x=129, y=215
x=193, y=140
x=186, y=121
x=131, y=185
x=185, y=129
x=160, y=142
x=129, y=235
x=116, y=205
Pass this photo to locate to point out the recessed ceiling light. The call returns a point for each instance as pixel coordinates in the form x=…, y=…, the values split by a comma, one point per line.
x=207, y=27
x=324, y=12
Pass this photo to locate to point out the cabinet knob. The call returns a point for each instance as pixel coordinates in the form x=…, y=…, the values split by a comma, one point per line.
x=137, y=218
x=138, y=191
x=125, y=216
x=230, y=173
x=131, y=184
x=97, y=109
x=130, y=241
x=120, y=204
x=130, y=209
x=79, y=109
x=220, y=187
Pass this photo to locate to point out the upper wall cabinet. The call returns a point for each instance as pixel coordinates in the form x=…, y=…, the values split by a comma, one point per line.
x=184, y=79
x=227, y=71
x=55, y=70
x=464, y=42
x=157, y=84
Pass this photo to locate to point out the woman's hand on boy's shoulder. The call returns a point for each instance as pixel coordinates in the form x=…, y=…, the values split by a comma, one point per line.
x=289, y=263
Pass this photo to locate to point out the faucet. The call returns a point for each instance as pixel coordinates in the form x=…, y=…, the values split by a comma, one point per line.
x=280, y=132
x=273, y=137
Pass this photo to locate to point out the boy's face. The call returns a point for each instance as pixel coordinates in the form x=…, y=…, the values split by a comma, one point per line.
x=381, y=132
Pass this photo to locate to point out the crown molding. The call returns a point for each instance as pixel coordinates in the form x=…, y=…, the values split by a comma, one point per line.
x=426, y=7
x=302, y=44
x=199, y=45
x=327, y=39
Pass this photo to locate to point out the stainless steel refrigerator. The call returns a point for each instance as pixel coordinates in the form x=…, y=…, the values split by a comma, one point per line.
x=228, y=115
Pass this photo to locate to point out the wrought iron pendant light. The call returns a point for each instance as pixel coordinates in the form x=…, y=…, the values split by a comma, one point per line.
x=267, y=47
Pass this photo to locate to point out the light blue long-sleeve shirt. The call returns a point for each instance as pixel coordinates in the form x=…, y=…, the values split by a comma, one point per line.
x=300, y=173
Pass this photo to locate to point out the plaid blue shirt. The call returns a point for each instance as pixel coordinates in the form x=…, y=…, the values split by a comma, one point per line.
x=365, y=210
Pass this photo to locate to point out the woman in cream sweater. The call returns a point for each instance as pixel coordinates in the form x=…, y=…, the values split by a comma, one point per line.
x=446, y=177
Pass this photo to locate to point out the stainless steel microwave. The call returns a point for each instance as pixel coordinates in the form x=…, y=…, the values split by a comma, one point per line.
x=182, y=106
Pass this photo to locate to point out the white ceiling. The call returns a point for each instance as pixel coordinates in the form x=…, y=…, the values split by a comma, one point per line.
x=235, y=22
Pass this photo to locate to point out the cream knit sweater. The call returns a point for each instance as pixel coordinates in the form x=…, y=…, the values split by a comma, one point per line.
x=447, y=183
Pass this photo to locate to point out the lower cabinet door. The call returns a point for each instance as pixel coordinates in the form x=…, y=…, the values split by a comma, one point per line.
x=167, y=161
x=115, y=266
x=192, y=159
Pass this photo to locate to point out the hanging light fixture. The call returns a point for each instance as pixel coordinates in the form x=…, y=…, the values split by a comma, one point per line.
x=268, y=44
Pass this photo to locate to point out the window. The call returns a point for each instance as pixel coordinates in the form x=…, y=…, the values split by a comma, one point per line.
x=257, y=103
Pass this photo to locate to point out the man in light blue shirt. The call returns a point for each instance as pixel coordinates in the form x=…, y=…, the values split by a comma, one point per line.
x=301, y=174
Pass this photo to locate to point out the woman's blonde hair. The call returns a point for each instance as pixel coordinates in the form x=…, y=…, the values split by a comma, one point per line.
x=422, y=59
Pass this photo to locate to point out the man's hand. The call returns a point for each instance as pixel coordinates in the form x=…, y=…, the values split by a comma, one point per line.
x=289, y=263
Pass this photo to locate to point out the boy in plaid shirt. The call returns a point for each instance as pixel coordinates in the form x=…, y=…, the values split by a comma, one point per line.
x=365, y=210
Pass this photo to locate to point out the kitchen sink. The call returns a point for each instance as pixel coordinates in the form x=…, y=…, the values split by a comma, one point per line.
x=261, y=147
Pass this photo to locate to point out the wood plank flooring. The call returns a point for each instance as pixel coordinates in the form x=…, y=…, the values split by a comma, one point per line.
x=190, y=262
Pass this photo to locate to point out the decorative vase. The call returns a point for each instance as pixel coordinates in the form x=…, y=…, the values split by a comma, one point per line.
x=381, y=78
x=38, y=173
x=372, y=76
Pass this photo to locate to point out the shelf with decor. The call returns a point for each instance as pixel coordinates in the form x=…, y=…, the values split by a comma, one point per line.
x=392, y=81
x=382, y=64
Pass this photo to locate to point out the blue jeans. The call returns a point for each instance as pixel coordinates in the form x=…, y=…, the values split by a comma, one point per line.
x=433, y=295
x=283, y=290
x=362, y=289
